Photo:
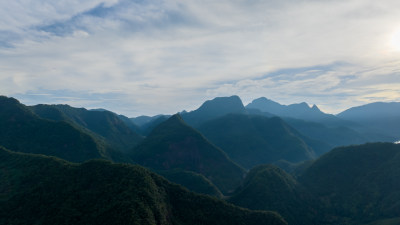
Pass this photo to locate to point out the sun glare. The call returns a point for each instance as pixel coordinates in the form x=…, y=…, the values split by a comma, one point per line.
x=395, y=42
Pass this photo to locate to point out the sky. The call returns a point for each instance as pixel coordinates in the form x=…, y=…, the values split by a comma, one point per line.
x=150, y=57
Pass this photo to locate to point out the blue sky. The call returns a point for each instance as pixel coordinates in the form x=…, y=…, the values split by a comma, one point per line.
x=150, y=57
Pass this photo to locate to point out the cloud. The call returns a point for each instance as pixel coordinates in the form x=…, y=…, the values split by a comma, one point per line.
x=165, y=56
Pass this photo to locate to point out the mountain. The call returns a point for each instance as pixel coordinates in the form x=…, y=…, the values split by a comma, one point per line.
x=46, y=190
x=298, y=111
x=146, y=128
x=193, y=181
x=268, y=187
x=175, y=145
x=378, y=116
x=214, y=108
x=129, y=123
x=350, y=185
x=327, y=128
x=115, y=129
x=23, y=131
x=251, y=140
x=142, y=120
x=358, y=184
x=334, y=136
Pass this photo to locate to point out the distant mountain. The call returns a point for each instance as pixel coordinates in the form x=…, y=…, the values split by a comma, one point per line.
x=45, y=190
x=146, y=128
x=129, y=123
x=115, y=129
x=357, y=183
x=378, y=116
x=175, y=145
x=327, y=128
x=251, y=140
x=214, y=108
x=23, y=131
x=334, y=136
x=268, y=187
x=142, y=120
x=298, y=111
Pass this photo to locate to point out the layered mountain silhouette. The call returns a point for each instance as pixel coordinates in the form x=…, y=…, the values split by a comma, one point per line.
x=251, y=140
x=298, y=111
x=118, y=131
x=45, y=190
x=353, y=185
x=142, y=120
x=23, y=131
x=175, y=145
x=333, y=130
x=333, y=136
x=378, y=116
x=214, y=108
x=146, y=128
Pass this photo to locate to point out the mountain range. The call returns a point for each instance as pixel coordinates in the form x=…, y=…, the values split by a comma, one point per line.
x=118, y=132
x=222, y=149
x=383, y=117
x=24, y=131
x=298, y=111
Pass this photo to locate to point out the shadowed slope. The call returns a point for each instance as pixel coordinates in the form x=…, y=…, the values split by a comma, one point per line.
x=104, y=123
x=22, y=130
x=268, y=187
x=173, y=144
x=254, y=140
x=358, y=182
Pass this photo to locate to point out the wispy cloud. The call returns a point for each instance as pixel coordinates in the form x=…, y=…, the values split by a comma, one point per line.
x=165, y=56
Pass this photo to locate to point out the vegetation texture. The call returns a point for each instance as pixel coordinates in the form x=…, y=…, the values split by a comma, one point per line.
x=45, y=190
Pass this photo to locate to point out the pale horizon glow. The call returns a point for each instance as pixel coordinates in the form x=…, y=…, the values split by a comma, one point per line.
x=164, y=56
x=395, y=42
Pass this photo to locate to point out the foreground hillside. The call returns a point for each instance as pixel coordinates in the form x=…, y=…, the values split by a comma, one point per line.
x=350, y=185
x=44, y=190
x=268, y=187
x=360, y=183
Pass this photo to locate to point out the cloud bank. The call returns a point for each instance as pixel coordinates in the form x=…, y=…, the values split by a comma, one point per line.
x=149, y=57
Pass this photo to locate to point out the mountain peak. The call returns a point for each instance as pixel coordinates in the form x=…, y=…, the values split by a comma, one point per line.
x=263, y=100
x=315, y=108
x=7, y=100
x=298, y=110
x=302, y=105
x=214, y=108
x=233, y=103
